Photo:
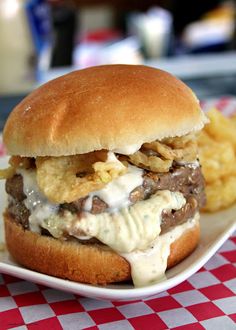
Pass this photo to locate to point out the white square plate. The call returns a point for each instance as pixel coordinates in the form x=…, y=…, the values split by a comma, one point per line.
x=215, y=230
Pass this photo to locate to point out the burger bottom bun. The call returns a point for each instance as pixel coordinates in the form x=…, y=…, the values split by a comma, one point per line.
x=87, y=263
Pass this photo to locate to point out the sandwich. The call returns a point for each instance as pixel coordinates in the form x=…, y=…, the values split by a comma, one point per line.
x=104, y=183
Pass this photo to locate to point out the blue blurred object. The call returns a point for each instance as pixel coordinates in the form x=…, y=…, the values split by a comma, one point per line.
x=38, y=13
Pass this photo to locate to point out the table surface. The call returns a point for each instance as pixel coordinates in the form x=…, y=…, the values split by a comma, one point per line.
x=207, y=300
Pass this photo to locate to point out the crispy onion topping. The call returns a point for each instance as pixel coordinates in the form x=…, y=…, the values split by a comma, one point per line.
x=16, y=162
x=68, y=178
x=158, y=156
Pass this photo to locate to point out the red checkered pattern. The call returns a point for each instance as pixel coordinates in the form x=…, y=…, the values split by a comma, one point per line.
x=207, y=300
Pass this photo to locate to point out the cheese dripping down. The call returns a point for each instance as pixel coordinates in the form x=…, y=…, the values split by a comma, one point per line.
x=38, y=205
x=130, y=228
x=149, y=266
x=132, y=232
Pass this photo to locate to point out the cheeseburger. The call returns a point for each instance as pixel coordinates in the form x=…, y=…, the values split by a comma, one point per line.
x=104, y=183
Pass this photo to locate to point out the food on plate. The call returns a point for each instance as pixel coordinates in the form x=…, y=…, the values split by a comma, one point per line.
x=217, y=153
x=221, y=128
x=104, y=182
x=233, y=120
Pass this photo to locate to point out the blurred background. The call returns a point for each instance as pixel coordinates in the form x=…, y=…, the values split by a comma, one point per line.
x=42, y=39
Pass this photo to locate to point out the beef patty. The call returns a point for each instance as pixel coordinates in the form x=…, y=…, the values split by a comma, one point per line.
x=186, y=179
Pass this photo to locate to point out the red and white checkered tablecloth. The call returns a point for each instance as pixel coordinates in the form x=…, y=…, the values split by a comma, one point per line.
x=207, y=300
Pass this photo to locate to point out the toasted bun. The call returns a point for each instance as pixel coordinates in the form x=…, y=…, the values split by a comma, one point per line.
x=93, y=264
x=104, y=107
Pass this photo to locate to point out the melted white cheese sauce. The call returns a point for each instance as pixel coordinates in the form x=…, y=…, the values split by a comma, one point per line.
x=149, y=266
x=40, y=208
x=132, y=227
x=116, y=193
x=195, y=164
x=128, y=150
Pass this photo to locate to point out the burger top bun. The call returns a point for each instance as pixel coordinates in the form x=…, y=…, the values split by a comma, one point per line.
x=105, y=107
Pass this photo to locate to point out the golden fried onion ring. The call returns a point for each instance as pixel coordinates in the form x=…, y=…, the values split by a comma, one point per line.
x=170, y=149
x=15, y=162
x=151, y=163
x=68, y=178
